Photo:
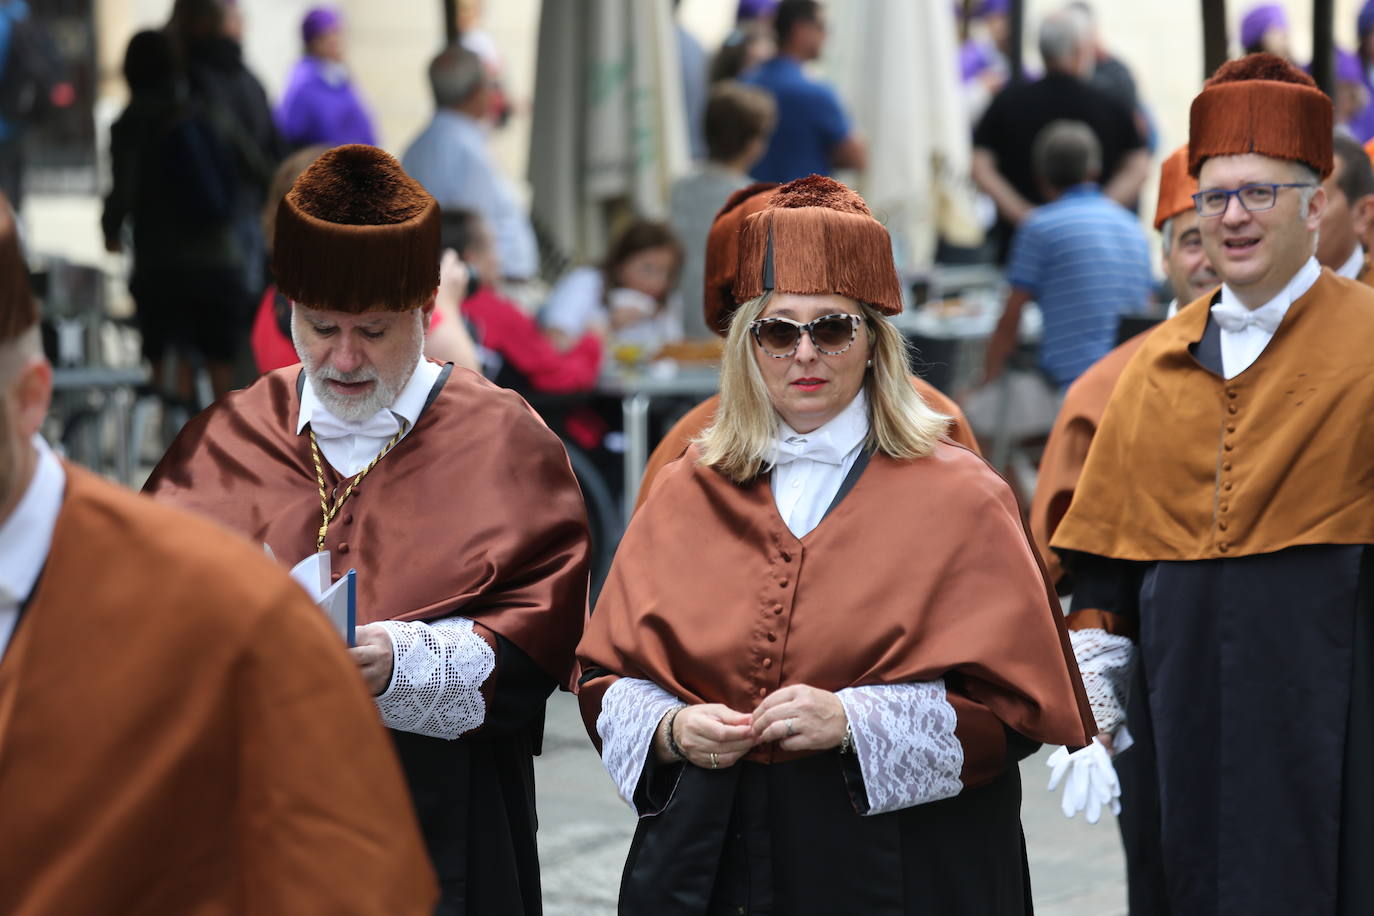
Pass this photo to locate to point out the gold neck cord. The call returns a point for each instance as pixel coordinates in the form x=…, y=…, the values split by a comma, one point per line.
x=332, y=510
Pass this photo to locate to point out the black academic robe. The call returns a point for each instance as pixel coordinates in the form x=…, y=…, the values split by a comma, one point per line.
x=1251, y=787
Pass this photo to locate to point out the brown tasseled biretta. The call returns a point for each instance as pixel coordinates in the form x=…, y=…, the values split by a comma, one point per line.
x=1261, y=104
x=356, y=233
x=722, y=252
x=18, y=308
x=1176, y=187
x=818, y=236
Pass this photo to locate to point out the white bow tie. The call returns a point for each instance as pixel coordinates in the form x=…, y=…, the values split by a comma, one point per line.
x=1234, y=317
x=792, y=447
x=381, y=425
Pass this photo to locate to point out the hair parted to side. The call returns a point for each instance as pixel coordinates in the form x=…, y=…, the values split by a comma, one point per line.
x=900, y=424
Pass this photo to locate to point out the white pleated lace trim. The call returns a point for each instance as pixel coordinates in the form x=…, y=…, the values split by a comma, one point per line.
x=436, y=683
x=630, y=711
x=904, y=737
x=1105, y=660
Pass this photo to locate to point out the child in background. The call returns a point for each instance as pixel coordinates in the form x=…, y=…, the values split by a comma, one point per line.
x=629, y=299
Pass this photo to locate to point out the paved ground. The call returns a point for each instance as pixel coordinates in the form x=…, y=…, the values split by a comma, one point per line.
x=1076, y=868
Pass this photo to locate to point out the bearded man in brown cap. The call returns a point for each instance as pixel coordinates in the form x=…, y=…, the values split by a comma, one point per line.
x=718, y=297
x=1220, y=534
x=180, y=729
x=449, y=496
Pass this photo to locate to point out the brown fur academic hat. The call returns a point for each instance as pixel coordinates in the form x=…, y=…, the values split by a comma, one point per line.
x=1176, y=187
x=356, y=233
x=817, y=236
x=18, y=307
x=722, y=252
x=1261, y=104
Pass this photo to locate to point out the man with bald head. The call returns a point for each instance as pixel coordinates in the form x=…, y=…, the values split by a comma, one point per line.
x=180, y=728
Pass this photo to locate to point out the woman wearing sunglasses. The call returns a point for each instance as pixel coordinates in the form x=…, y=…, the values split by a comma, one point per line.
x=825, y=641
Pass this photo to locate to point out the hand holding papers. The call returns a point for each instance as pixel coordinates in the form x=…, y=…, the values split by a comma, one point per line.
x=338, y=600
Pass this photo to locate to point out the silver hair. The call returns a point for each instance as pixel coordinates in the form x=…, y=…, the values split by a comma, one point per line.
x=1166, y=236
x=454, y=75
x=1062, y=35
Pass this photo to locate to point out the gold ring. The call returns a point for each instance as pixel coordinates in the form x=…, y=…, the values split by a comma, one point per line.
x=715, y=764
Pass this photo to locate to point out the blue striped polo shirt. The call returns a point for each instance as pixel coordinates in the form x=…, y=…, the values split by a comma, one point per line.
x=1085, y=261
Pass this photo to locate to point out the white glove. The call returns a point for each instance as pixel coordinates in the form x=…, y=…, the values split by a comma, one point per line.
x=1091, y=782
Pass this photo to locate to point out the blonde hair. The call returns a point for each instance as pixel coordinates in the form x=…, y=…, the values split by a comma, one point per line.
x=900, y=424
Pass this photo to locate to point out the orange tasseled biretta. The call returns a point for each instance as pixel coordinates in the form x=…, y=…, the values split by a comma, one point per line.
x=722, y=252
x=18, y=308
x=1176, y=187
x=1261, y=104
x=818, y=236
x=356, y=233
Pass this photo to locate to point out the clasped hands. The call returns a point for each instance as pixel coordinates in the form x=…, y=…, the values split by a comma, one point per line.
x=714, y=736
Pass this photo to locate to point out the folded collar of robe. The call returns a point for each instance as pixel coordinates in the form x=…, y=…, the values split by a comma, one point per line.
x=828, y=443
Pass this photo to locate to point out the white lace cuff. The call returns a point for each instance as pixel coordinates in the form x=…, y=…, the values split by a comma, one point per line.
x=1106, y=661
x=904, y=738
x=437, y=675
x=630, y=711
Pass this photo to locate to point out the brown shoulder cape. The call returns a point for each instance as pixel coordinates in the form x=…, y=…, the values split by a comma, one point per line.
x=922, y=571
x=1190, y=466
x=1067, y=447
x=476, y=511
x=181, y=731
x=695, y=421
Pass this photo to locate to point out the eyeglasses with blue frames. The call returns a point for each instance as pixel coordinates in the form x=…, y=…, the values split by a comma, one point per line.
x=1253, y=197
x=830, y=334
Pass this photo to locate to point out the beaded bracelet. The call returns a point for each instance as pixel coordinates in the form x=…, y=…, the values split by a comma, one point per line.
x=674, y=750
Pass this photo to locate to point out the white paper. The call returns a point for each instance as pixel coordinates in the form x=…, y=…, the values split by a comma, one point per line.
x=338, y=600
x=312, y=574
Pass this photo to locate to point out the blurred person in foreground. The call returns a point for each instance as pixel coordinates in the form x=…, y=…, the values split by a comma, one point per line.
x=446, y=336
x=825, y=641
x=739, y=119
x=320, y=104
x=1220, y=533
x=1002, y=141
x=813, y=135
x=451, y=499
x=1190, y=276
x=718, y=297
x=452, y=160
x=516, y=353
x=1349, y=211
x=1081, y=258
x=174, y=183
x=181, y=728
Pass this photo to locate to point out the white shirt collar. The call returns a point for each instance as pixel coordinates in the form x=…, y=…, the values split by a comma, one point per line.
x=1353, y=264
x=830, y=442
x=408, y=404
x=1296, y=288
x=26, y=536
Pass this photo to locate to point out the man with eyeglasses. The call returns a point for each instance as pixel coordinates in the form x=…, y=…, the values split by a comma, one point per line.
x=1220, y=536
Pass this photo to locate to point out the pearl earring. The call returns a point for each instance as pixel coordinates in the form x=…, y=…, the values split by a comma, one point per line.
x=870, y=364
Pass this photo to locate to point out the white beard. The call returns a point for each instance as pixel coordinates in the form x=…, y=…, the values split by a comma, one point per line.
x=386, y=389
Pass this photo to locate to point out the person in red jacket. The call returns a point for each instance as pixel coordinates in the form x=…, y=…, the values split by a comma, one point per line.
x=515, y=351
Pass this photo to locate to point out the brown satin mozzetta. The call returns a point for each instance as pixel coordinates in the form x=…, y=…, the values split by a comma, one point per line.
x=1190, y=466
x=161, y=733
x=476, y=511
x=1067, y=447
x=695, y=421
x=922, y=571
